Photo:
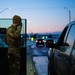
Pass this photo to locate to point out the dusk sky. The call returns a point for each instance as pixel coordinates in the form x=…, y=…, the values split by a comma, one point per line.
x=42, y=15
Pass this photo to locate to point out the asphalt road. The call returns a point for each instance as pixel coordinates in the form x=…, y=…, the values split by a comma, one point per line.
x=40, y=59
x=37, y=60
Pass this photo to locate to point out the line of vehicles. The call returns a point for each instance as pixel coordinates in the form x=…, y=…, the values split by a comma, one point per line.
x=40, y=39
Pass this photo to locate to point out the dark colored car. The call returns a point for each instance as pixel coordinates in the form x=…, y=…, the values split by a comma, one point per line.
x=39, y=42
x=61, y=55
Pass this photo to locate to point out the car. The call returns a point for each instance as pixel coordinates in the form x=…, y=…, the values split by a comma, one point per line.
x=39, y=42
x=61, y=55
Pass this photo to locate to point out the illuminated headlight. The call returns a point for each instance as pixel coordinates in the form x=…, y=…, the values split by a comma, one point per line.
x=21, y=36
x=54, y=42
x=43, y=37
x=46, y=37
x=32, y=39
x=29, y=37
x=50, y=48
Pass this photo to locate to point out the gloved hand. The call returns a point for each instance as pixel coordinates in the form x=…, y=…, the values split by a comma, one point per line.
x=20, y=24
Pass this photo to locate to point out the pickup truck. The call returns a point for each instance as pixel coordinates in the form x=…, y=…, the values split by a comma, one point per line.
x=61, y=55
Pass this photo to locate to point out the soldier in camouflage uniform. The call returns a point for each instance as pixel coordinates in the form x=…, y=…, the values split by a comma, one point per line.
x=13, y=40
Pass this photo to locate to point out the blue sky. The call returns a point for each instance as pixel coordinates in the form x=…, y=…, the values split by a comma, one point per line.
x=42, y=15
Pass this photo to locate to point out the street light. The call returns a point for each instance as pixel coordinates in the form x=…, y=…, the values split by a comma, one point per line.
x=69, y=14
x=4, y=10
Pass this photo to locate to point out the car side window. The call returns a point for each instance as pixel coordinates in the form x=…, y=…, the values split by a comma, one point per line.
x=61, y=38
x=71, y=36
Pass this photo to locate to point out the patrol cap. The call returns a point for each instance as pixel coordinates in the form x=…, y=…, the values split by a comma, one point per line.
x=16, y=19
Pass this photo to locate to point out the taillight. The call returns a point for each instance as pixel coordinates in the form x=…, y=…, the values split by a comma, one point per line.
x=42, y=40
x=36, y=40
x=26, y=38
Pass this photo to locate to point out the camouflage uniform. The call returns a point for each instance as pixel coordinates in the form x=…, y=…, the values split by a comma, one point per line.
x=13, y=41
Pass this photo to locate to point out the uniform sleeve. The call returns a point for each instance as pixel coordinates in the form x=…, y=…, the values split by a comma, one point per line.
x=13, y=33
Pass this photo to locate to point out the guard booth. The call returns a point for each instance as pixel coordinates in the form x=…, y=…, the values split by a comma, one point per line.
x=4, y=62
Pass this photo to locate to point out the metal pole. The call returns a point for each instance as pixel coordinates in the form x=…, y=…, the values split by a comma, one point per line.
x=4, y=10
x=69, y=14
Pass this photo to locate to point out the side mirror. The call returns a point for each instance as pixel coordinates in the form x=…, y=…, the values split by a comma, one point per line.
x=65, y=44
x=50, y=44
